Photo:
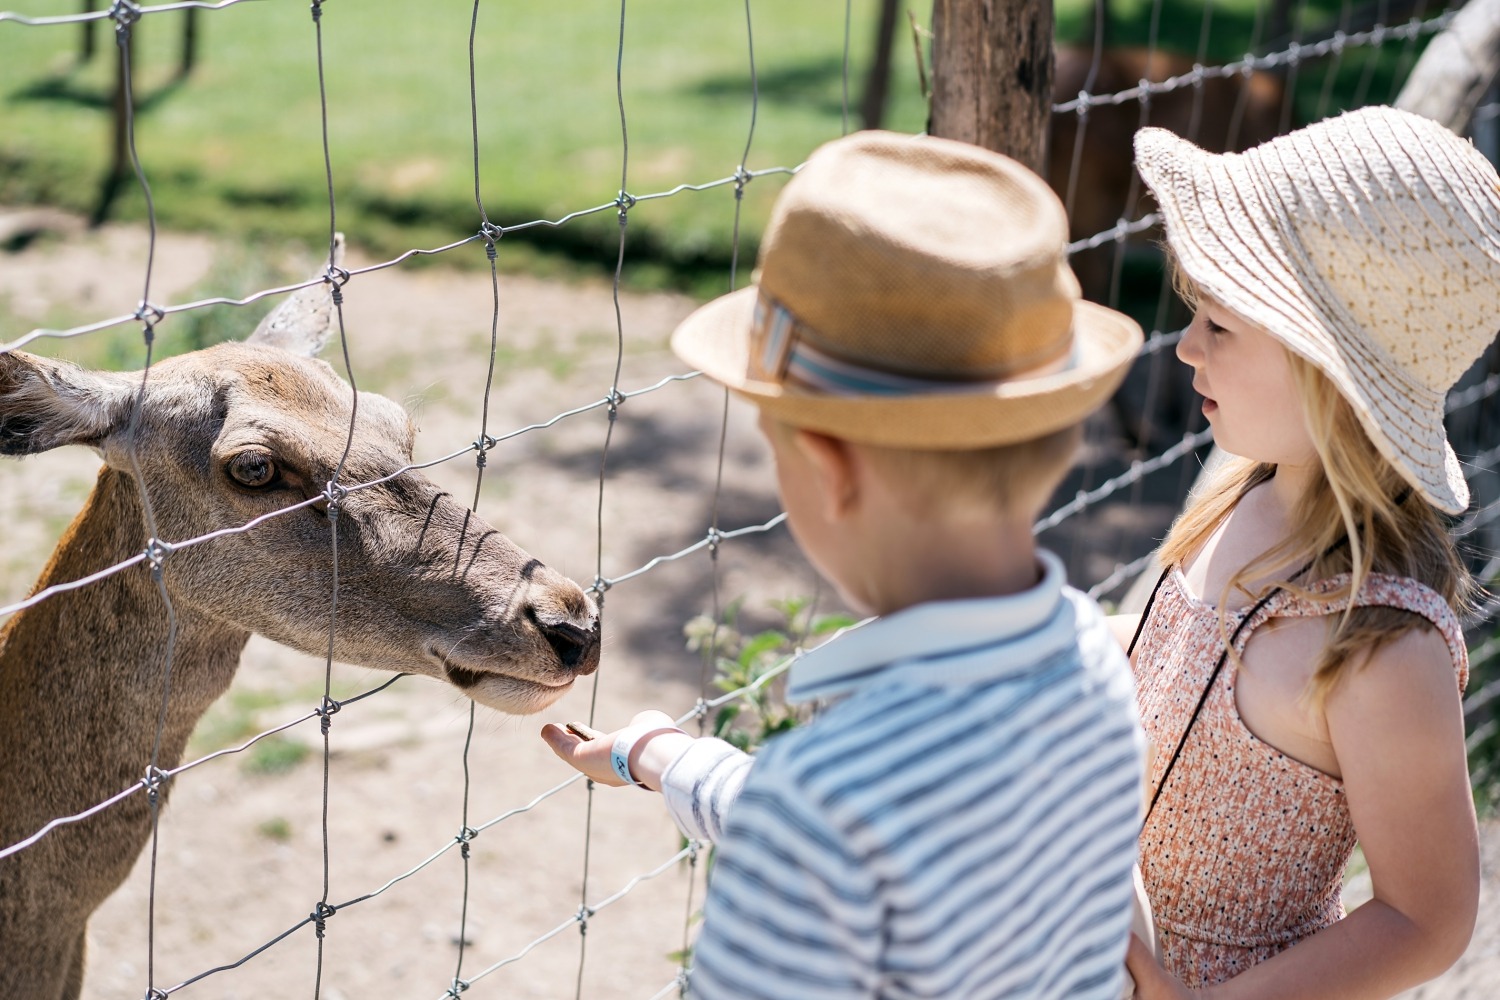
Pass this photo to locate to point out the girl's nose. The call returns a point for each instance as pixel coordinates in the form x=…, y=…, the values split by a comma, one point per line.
x=1190, y=347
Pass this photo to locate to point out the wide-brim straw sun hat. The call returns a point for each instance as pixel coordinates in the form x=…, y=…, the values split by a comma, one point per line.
x=1368, y=244
x=915, y=293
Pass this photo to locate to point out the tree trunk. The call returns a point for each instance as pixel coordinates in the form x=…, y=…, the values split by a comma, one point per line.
x=1457, y=67
x=992, y=75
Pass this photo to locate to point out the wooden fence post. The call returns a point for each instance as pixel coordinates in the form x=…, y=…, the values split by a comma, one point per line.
x=992, y=75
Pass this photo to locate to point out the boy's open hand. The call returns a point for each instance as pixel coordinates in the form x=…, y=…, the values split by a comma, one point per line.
x=588, y=751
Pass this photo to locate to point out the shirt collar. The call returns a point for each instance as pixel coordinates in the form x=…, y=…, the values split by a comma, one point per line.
x=945, y=641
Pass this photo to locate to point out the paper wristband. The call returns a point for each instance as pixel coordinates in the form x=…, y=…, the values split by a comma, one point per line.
x=620, y=750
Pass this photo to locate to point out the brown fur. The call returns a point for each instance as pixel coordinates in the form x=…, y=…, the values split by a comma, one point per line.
x=1228, y=114
x=425, y=586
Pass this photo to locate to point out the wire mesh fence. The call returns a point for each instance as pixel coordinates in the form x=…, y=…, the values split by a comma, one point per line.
x=1143, y=451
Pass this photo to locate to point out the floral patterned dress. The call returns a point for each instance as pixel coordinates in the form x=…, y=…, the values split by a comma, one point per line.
x=1244, y=854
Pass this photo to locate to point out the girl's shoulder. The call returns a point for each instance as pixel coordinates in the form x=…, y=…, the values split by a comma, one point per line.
x=1330, y=596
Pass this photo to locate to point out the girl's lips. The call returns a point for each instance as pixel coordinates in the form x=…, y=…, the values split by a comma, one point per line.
x=1209, y=406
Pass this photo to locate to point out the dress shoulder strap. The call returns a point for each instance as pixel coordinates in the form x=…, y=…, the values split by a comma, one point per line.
x=1380, y=590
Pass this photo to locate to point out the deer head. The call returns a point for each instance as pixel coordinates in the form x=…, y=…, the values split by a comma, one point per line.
x=224, y=435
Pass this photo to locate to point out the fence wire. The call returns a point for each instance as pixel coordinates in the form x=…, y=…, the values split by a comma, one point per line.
x=1479, y=705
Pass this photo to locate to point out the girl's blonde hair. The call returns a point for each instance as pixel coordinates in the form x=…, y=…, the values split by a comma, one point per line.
x=1357, y=517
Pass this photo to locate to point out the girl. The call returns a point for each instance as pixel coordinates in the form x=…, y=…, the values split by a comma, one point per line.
x=1301, y=662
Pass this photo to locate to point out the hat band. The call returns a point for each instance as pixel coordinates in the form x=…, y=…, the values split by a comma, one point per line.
x=779, y=352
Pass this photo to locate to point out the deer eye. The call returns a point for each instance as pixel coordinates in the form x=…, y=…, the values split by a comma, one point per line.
x=252, y=468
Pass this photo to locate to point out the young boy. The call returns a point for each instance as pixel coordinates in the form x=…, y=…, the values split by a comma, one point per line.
x=961, y=819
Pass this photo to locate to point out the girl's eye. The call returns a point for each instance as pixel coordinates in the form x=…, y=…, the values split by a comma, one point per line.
x=252, y=468
x=1212, y=327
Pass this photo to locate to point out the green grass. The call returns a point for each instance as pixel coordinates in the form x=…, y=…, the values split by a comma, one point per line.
x=235, y=148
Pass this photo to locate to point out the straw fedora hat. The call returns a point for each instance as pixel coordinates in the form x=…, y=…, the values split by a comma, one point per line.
x=1369, y=244
x=914, y=292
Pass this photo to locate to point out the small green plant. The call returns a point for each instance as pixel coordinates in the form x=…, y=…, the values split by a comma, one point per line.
x=276, y=828
x=275, y=755
x=750, y=662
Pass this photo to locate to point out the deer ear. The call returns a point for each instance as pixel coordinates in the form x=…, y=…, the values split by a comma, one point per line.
x=303, y=323
x=45, y=404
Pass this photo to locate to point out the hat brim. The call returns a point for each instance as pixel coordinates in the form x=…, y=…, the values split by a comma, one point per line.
x=716, y=340
x=1218, y=211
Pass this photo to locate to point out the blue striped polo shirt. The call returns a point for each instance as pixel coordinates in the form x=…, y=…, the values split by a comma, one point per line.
x=959, y=821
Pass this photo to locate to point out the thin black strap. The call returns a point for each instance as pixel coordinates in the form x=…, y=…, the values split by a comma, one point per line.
x=1203, y=698
x=1146, y=612
x=1212, y=677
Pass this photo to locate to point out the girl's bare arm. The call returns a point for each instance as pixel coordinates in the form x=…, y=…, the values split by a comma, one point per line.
x=1396, y=723
x=1123, y=627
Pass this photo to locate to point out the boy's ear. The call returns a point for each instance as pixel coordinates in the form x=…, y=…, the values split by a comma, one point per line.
x=45, y=404
x=836, y=468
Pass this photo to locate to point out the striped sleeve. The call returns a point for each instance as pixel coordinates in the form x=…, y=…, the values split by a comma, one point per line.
x=700, y=785
x=793, y=912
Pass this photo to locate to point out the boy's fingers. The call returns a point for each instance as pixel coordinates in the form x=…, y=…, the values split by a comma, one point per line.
x=589, y=756
x=560, y=740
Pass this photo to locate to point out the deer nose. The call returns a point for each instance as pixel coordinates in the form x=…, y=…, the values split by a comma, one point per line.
x=572, y=644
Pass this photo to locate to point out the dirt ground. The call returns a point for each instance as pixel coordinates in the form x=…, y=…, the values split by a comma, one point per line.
x=241, y=851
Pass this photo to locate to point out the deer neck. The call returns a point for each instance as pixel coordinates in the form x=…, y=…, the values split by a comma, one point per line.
x=82, y=673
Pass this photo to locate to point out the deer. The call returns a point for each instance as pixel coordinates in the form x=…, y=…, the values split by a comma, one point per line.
x=213, y=439
x=1221, y=114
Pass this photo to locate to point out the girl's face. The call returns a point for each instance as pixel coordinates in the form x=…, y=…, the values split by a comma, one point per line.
x=1249, y=395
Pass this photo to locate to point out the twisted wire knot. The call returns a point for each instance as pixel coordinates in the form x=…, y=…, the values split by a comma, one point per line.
x=124, y=14
x=325, y=711
x=154, y=781
x=482, y=445
x=149, y=314
x=625, y=201
x=317, y=10
x=157, y=552
x=1084, y=100
x=320, y=915
x=458, y=987
x=156, y=994
x=335, y=494
x=599, y=586
x=336, y=277
x=614, y=399
x=491, y=234
x=715, y=536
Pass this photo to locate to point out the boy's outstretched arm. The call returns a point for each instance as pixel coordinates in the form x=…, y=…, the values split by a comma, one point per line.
x=657, y=742
x=700, y=777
